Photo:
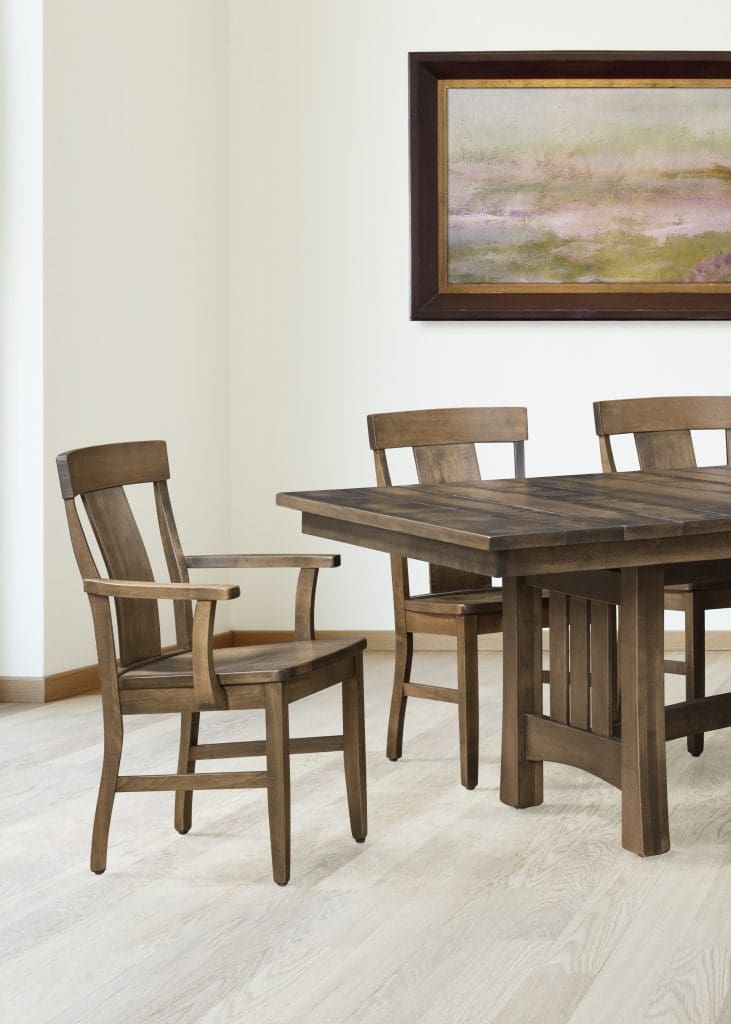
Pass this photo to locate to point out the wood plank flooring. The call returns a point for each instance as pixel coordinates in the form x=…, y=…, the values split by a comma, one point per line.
x=457, y=910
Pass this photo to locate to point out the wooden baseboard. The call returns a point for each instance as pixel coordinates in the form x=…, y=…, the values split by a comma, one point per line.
x=71, y=683
x=22, y=689
x=43, y=690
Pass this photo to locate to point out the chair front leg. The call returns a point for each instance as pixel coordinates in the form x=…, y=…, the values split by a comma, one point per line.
x=401, y=675
x=354, y=753
x=189, y=724
x=695, y=661
x=278, y=788
x=113, y=736
x=469, y=706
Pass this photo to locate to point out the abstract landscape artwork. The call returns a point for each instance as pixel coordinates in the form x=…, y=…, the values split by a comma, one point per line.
x=585, y=184
x=570, y=184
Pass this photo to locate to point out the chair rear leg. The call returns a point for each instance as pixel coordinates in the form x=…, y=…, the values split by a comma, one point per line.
x=278, y=789
x=113, y=735
x=469, y=708
x=401, y=675
x=695, y=662
x=189, y=724
x=354, y=753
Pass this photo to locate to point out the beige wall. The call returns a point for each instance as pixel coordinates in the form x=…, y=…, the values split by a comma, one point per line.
x=320, y=334
x=136, y=277
x=226, y=265
x=21, y=339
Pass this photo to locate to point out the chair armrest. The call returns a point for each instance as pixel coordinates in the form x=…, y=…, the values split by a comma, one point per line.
x=208, y=690
x=262, y=561
x=162, y=591
x=308, y=565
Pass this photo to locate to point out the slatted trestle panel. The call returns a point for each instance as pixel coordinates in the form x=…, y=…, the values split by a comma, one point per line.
x=583, y=665
x=579, y=663
x=603, y=667
x=558, y=656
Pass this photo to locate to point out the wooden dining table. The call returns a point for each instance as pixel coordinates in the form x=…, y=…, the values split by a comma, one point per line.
x=595, y=543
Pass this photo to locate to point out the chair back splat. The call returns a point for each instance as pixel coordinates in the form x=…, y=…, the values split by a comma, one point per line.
x=98, y=476
x=443, y=445
x=661, y=428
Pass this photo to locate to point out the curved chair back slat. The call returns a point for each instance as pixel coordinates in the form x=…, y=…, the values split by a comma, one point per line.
x=98, y=475
x=661, y=428
x=112, y=465
x=443, y=445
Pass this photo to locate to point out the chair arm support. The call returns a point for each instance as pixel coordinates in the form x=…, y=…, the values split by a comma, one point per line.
x=309, y=565
x=162, y=591
x=304, y=605
x=208, y=691
x=262, y=561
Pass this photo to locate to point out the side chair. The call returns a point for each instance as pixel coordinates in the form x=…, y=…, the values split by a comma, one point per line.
x=662, y=435
x=460, y=604
x=140, y=678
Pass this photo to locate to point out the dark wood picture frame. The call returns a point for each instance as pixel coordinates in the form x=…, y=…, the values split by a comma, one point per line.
x=431, y=299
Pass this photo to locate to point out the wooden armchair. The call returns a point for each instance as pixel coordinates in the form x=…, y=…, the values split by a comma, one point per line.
x=459, y=604
x=194, y=677
x=662, y=434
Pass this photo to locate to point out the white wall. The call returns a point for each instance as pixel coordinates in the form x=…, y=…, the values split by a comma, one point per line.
x=319, y=264
x=21, y=339
x=136, y=277
x=226, y=265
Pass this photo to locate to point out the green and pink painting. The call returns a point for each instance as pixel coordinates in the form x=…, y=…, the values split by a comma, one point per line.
x=600, y=185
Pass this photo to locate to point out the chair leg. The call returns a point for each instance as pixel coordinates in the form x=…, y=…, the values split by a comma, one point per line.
x=469, y=710
x=278, y=791
x=113, y=735
x=695, y=662
x=401, y=675
x=189, y=723
x=354, y=753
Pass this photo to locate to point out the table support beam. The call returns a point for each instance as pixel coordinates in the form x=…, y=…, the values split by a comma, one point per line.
x=702, y=715
x=645, y=829
x=521, y=780
x=546, y=740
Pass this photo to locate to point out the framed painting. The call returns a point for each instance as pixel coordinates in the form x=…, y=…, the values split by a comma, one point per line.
x=571, y=185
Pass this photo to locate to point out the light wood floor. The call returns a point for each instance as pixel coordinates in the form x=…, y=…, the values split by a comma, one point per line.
x=457, y=909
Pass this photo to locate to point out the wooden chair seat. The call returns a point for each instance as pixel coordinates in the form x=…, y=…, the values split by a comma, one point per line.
x=234, y=666
x=460, y=602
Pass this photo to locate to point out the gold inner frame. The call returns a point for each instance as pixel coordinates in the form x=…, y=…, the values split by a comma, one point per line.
x=548, y=83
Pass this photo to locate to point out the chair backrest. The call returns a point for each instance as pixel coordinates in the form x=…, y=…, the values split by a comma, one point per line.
x=99, y=475
x=443, y=445
x=662, y=428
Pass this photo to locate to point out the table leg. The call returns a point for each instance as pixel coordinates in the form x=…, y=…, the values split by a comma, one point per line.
x=645, y=827
x=521, y=781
